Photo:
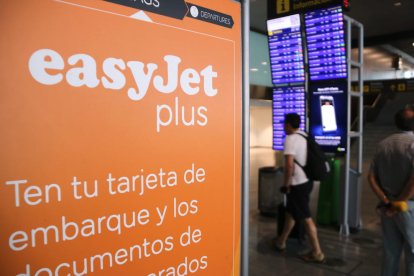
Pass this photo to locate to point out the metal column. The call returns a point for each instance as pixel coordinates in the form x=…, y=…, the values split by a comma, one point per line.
x=244, y=254
x=358, y=134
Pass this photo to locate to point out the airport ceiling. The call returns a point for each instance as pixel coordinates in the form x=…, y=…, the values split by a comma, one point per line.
x=386, y=22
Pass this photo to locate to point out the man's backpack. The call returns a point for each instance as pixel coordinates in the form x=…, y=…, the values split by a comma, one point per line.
x=317, y=166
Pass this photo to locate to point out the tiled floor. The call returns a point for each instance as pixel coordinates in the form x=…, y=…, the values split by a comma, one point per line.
x=356, y=254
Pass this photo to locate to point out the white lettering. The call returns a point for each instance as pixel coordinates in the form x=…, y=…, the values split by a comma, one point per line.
x=33, y=195
x=18, y=237
x=188, y=77
x=117, y=78
x=172, y=66
x=47, y=67
x=161, y=215
x=141, y=79
x=84, y=75
x=42, y=60
x=208, y=75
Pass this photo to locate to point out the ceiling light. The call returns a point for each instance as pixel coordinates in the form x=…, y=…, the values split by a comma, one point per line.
x=254, y=69
x=397, y=4
x=264, y=63
x=413, y=44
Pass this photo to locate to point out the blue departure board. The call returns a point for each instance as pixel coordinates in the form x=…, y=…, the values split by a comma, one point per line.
x=289, y=99
x=286, y=51
x=326, y=44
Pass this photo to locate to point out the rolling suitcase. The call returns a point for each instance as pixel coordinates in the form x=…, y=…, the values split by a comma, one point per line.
x=298, y=231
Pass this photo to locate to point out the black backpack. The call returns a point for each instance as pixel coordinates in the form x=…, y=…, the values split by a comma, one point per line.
x=317, y=166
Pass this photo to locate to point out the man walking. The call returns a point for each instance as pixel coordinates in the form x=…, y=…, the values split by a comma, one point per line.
x=298, y=189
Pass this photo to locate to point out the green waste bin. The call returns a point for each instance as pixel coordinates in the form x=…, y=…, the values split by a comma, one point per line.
x=328, y=203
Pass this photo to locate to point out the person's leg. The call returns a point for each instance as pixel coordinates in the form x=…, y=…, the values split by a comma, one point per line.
x=312, y=232
x=393, y=245
x=406, y=225
x=310, y=226
x=409, y=260
x=287, y=228
x=291, y=212
x=316, y=254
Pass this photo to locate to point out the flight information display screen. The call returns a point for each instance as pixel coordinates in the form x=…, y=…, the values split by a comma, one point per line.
x=286, y=51
x=290, y=99
x=326, y=44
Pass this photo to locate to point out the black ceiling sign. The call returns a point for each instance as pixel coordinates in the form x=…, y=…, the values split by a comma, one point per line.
x=279, y=8
x=386, y=86
x=171, y=8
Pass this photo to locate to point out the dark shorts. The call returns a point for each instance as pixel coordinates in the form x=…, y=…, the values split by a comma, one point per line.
x=298, y=201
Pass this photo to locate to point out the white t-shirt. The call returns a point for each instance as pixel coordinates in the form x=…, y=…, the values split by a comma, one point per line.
x=296, y=145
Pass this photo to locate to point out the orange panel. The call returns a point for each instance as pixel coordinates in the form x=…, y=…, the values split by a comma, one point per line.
x=120, y=139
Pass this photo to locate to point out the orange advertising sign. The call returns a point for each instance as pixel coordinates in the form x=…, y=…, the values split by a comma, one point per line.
x=121, y=138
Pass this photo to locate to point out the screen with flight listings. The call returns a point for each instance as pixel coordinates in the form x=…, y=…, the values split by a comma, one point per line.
x=288, y=99
x=286, y=50
x=326, y=44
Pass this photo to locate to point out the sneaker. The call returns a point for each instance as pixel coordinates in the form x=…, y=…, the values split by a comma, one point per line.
x=313, y=258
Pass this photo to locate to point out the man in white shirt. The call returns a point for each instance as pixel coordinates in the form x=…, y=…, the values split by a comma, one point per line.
x=298, y=188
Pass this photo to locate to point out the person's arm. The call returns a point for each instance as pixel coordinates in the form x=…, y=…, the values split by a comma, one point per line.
x=288, y=170
x=373, y=182
x=408, y=191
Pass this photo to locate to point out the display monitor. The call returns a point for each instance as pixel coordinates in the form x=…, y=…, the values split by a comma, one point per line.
x=325, y=39
x=286, y=50
x=289, y=99
x=328, y=114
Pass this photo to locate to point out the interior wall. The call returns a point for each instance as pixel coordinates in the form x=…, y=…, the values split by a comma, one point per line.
x=261, y=123
x=378, y=65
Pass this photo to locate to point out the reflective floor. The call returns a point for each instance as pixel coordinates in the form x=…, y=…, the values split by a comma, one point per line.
x=356, y=254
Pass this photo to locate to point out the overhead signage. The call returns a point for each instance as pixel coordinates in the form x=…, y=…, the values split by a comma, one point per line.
x=278, y=8
x=121, y=139
x=386, y=86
